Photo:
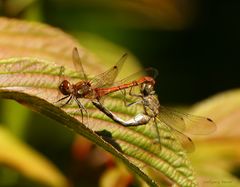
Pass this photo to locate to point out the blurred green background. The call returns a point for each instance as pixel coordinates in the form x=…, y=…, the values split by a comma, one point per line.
x=193, y=44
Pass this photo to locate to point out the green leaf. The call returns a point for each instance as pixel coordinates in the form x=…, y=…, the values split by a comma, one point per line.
x=17, y=155
x=34, y=82
x=217, y=158
x=223, y=108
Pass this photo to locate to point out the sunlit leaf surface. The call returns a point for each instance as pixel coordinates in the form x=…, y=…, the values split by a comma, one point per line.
x=224, y=109
x=34, y=83
x=217, y=160
x=18, y=39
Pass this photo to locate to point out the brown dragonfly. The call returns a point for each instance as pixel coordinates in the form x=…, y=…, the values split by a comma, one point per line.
x=98, y=86
x=180, y=123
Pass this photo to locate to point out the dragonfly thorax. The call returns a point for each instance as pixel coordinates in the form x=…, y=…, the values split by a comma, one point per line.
x=151, y=105
x=150, y=99
x=83, y=89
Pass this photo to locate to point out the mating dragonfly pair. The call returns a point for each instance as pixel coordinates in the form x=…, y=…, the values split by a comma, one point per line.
x=103, y=84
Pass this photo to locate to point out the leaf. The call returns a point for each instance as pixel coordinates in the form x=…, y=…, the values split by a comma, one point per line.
x=40, y=41
x=224, y=109
x=34, y=83
x=217, y=156
x=216, y=161
x=17, y=155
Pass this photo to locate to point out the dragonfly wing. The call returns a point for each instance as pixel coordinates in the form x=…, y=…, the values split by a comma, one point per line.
x=186, y=122
x=151, y=72
x=78, y=64
x=185, y=141
x=172, y=119
x=198, y=125
x=107, y=78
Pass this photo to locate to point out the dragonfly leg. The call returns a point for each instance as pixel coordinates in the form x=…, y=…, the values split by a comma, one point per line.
x=157, y=131
x=134, y=103
x=134, y=95
x=124, y=97
x=70, y=98
x=81, y=107
x=145, y=107
x=62, y=98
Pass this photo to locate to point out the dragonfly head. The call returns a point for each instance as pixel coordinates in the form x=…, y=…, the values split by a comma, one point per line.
x=147, y=89
x=65, y=87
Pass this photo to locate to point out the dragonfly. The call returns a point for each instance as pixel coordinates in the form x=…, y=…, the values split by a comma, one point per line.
x=86, y=88
x=179, y=122
x=98, y=86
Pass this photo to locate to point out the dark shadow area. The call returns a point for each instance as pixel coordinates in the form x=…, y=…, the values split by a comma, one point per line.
x=107, y=136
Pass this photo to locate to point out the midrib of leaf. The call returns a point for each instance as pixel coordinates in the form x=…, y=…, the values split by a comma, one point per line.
x=39, y=92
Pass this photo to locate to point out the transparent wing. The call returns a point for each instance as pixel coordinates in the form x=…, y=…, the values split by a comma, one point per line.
x=199, y=125
x=151, y=72
x=107, y=78
x=78, y=64
x=172, y=119
x=185, y=141
x=186, y=122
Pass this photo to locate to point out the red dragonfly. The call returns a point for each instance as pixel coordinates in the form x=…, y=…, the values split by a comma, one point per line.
x=178, y=122
x=96, y=87
x=126, y=83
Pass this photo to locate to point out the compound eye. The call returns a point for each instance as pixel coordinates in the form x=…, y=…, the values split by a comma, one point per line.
x=64, y=87
x=150, y=87
x=147, y=89
x=144, y=90
x=151, y=90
